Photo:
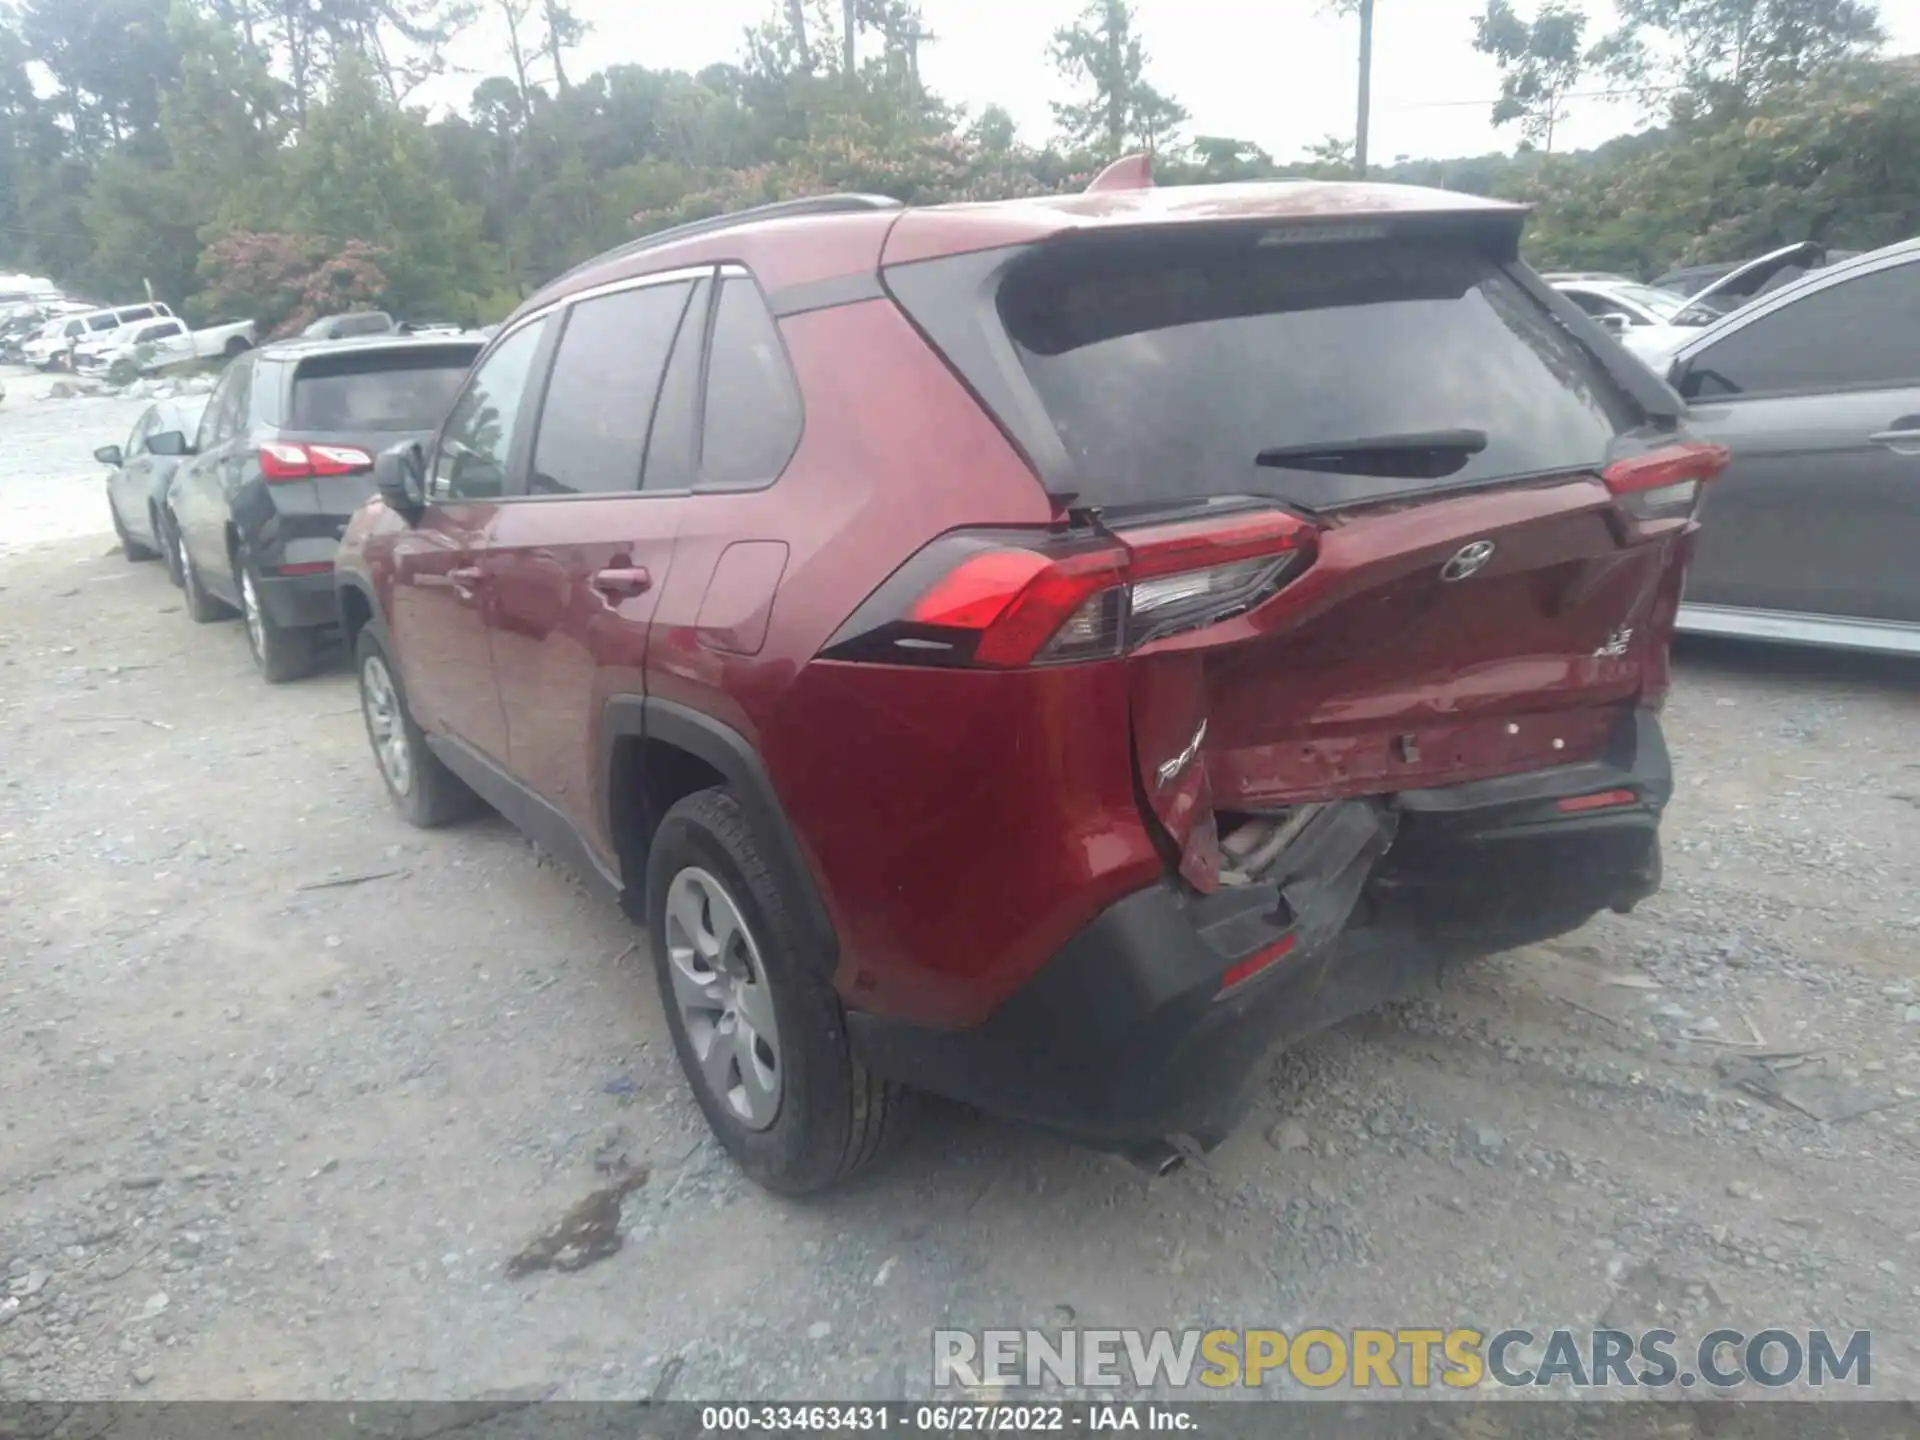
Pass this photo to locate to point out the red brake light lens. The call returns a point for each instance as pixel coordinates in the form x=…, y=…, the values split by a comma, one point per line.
x=1665, y=484
x=282, y=460
x=1603, y=800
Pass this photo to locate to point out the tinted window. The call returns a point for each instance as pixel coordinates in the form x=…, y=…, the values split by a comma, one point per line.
x=476, y=447
x=141, y=429
x=138, y=312
x=103, y=322
x=379, y=389
x=599, y=401
x=157, y=332
x=1167, y=368
x=1588, y=301
x=1859, y=334
x=753, y=405
x=670, y=445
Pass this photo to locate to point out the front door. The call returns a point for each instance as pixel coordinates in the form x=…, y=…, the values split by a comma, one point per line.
x=575, y=562
x=439, y=622
x=1819, y=401
x=204, y=483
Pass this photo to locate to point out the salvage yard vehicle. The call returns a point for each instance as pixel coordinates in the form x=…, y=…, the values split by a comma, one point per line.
x=142, y=471
x=283, y=456
x=53, y=347
x=161, y=343
x=1812, y=533
x=1044, y=652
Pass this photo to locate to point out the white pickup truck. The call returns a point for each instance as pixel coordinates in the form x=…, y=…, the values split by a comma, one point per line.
x=163, y=342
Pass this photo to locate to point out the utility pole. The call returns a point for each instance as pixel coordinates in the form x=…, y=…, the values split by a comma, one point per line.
x=1366, y=89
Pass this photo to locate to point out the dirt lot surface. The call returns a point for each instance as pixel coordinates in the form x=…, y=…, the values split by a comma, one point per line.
x=263, y=1137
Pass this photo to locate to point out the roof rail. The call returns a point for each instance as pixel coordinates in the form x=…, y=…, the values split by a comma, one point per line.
x=778, y=210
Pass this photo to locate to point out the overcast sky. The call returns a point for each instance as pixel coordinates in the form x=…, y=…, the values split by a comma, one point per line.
x=1278, y=72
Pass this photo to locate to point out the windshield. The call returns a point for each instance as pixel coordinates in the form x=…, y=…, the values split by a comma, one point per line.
x=1167, y=373
x=379, y=390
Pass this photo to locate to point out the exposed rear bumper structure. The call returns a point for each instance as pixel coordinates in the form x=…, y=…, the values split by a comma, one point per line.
x=1142, y=1029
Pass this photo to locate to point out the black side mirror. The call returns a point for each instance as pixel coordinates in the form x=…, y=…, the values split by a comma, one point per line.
x=1617, y=322
x=170, y=443
x=400, y=475
x=110, y=455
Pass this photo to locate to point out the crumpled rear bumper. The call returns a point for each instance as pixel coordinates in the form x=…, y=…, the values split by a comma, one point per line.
x=1147, y=1026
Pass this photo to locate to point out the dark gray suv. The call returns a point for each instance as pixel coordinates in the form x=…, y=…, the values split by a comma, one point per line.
x=283, y=458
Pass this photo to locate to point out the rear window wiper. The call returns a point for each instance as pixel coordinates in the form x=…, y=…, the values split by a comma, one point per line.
x=1425, y=455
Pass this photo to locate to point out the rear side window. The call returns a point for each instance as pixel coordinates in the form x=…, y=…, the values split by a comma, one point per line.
x=1861, y=334
x=1166, y=368
x=600, y=397
x=104, y=322
x=753, y=414
x=378, y=390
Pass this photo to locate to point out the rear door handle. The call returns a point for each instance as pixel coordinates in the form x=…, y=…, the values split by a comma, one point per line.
x=466, y=579
x=623, y=583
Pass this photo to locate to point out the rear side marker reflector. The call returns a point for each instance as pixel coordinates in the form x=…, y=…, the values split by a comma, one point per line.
x=1604, y=800
x=306, y=567
x=1004, y=599
x=1260, y=959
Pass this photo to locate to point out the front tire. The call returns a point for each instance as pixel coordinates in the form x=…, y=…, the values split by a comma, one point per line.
x=278, y=653
x=753, y=1013
x=169, y=546
x=425, y=792
x=202, y=608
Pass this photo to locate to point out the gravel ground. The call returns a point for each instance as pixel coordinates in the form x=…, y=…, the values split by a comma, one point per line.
x=265, y=1140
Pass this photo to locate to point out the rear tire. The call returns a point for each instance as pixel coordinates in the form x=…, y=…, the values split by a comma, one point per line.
x=733, y=965
x=130, y=547
x=278, y=653
x=202, y=608
x=425, y=792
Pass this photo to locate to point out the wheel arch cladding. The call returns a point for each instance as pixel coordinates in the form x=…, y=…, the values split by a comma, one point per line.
x=654, y=753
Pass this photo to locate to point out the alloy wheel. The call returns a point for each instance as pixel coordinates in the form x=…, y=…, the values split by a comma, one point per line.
x=725, y=1004
x=386, y=727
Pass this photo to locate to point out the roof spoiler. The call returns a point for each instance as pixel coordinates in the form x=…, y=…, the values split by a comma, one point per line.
x=1130, y=172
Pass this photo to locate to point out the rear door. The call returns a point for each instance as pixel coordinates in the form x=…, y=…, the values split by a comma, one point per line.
x=574, y=564
x=1818, y=398
x=437, y=620
x=1476, y=606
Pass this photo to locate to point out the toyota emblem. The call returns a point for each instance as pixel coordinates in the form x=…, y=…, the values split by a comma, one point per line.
x=1467, y=560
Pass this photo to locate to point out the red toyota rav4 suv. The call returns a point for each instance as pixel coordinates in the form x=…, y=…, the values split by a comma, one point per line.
x=1047, y=652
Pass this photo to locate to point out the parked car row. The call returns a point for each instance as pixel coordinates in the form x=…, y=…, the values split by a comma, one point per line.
x=247, y=491
x=1041, y=653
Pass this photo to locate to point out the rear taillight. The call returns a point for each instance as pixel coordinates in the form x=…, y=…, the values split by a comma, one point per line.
x=1665, y=484
x=1010, y=598
x=283, y=460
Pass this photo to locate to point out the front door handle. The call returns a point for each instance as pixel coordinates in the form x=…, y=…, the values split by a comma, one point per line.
x=1901, y=442
x=622, y=583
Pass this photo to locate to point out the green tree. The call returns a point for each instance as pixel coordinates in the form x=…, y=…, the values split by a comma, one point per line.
x=1102, y=54
x=1716, y=57
x=109, y=61
x=1540, y=63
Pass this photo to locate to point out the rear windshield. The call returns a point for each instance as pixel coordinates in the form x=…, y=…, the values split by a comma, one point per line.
x=1167, y=370
x=380, y=390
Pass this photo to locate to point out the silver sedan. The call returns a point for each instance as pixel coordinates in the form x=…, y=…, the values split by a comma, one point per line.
x=142, y=469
